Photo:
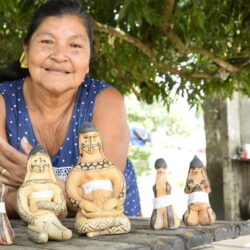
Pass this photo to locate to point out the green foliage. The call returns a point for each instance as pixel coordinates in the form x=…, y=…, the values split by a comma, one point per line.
x=144, y=64
x=140, y=158
x=175, y=125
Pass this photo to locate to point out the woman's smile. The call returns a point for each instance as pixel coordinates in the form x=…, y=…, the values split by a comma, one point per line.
x=58, y=54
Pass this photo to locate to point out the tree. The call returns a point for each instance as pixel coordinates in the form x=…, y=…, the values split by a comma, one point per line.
x=156, y=49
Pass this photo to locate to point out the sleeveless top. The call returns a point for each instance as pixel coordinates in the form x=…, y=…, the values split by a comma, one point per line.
x=18, y=125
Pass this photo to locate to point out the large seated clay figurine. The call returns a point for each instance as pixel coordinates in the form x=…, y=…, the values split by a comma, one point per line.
x=40, y=200
x=198, y=187
x=97, y=188
x=163, y=215
x=6, y=232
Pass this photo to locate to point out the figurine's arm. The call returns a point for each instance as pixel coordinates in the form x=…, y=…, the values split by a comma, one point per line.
x=23, y=207
x=57, y=204
x=168, y=188
x=119, y=185
x=73, y=183
x=205, y=186
x=90, y=210
x=88, y=206
x=189, y=186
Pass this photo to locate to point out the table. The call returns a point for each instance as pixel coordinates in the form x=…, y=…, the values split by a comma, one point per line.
x=141, y=237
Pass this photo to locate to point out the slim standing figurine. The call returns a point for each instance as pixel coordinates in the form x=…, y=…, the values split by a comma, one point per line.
x=6, y=232
x=97, y=188
x=40, y=200
x=198, y=187
x=163, y=215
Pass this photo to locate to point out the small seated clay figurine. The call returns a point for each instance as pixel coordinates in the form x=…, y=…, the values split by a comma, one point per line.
x=198, y=187
x=97, y=188
x=163, y=215
x=40, y=200
x=6, y=232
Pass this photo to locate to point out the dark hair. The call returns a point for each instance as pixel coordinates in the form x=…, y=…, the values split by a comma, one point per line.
x=51, y=8
x=160, y=163
x=58, y=8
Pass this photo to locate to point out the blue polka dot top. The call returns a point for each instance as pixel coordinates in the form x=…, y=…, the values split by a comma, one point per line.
x=18, y=125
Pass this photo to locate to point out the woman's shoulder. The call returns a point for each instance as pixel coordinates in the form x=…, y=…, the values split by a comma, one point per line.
x=10, y=86
x=101, y=90
x=92, y=84
x=110, y=97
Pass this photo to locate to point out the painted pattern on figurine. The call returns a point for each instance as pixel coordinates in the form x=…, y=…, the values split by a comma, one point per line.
x=198, y=187
x=163, y=215
x=40, y=200
x=97, y=188
x=6, y=232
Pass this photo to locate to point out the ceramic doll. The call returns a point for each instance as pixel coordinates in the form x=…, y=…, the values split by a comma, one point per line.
x=6, y=232
x=198, y=187
x=40, y=200
x=163, y=215
x=97, y=188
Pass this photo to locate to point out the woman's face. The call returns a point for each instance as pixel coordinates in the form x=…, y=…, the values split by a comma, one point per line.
x=58, y=54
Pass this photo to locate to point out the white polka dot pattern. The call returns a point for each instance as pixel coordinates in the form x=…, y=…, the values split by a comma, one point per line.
x=18, y=124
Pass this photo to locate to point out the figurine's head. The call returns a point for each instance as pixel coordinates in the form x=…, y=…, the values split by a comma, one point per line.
x=160, y=165
x=39, y=163
x=196, y=166
x=197, y=171
x=89, y=139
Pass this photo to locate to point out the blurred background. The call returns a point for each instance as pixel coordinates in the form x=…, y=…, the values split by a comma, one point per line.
x=176, y=135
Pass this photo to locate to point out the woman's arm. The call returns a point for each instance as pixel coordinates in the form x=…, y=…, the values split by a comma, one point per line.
x=2, y=119
x=11, y=159
x=13, y=162
x=110, y=117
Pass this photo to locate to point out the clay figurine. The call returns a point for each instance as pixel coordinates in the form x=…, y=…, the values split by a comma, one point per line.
x=40, y=200
x=6, y=232
x=97, y=188
x=198, y=187
x=163, y=215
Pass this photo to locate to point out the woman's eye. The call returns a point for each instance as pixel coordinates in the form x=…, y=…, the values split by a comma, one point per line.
x=45, y=41
x=75, y=45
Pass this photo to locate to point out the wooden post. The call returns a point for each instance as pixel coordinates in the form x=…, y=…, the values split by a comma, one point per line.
x=222, y=125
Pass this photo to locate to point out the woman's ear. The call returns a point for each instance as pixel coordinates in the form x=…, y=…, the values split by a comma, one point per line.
x=23, y=59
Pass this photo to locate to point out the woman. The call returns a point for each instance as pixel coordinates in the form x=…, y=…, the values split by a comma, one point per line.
x=48, y=102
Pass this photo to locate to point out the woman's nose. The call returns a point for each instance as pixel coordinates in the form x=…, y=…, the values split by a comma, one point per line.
x=59, y=54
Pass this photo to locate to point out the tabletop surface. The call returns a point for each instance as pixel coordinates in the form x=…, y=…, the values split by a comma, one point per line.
x=140, y=237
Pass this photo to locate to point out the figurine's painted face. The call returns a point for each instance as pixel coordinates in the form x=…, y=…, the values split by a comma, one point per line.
x=90, y=142
x=161, y=171
x=39, y=163
x=195, y=171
